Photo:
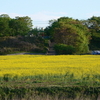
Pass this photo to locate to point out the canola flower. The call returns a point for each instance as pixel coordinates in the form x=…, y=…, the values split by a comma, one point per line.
x=32, y=65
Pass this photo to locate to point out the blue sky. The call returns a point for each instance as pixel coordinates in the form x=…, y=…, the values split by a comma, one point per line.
x=41, y=11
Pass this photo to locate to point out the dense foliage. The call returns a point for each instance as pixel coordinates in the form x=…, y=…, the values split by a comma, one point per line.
x=70, y=32
x=93, y=24
x=64, y=49
x=83, y=35
x=14, y=27
x=22, y=44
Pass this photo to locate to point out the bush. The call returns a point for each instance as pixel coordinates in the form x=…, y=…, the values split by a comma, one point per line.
x=5, y=50
x=23, y=44
x=64, y=49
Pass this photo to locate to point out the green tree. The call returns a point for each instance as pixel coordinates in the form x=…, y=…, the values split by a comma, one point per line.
x=49, y=31
x=4, y=25
x=5, y=16
x=16, y=26
x=93, y=25
x=64, y=49
x=71, y=32
x=20, y=25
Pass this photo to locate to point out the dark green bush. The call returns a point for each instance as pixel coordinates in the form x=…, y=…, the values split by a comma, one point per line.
x=22, y=44
x=64, y=49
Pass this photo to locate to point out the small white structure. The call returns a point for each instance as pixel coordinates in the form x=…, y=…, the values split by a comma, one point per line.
x=96, y=52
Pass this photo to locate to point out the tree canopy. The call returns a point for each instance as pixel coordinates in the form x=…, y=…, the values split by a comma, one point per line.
x=15, y=26
x=93, y=24
x=70, y=32
x=80, y=34
x=4, y=25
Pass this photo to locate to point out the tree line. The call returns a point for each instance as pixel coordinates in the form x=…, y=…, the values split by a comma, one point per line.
x=77, y=36
x=14, y=26
x=71, y=35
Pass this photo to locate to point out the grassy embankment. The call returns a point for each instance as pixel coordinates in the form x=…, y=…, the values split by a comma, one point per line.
x=49, y=77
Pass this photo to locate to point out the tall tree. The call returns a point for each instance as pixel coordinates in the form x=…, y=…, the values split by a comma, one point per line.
x=93, y=25
x=5, y=16
x=4, y=25
x=21, y=25
x=71, y=32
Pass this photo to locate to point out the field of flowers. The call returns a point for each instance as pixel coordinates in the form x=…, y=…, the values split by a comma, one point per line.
x=76, y=67
x=49, y=77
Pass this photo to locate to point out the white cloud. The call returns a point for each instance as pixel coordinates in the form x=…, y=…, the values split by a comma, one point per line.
x=12, y=15
x=97, y=13
x=40, y=19
x=43, y=16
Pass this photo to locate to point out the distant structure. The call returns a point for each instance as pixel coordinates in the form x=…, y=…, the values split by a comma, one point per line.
x=96, y=52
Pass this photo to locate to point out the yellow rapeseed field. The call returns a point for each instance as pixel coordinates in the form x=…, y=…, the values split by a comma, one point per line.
x=30, y=65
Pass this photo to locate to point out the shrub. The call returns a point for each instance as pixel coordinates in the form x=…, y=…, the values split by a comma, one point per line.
x=22, y=44
x=64, y=49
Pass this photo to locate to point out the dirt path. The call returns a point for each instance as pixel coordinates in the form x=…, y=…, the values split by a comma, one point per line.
x=25, y=53
x=51, y=50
